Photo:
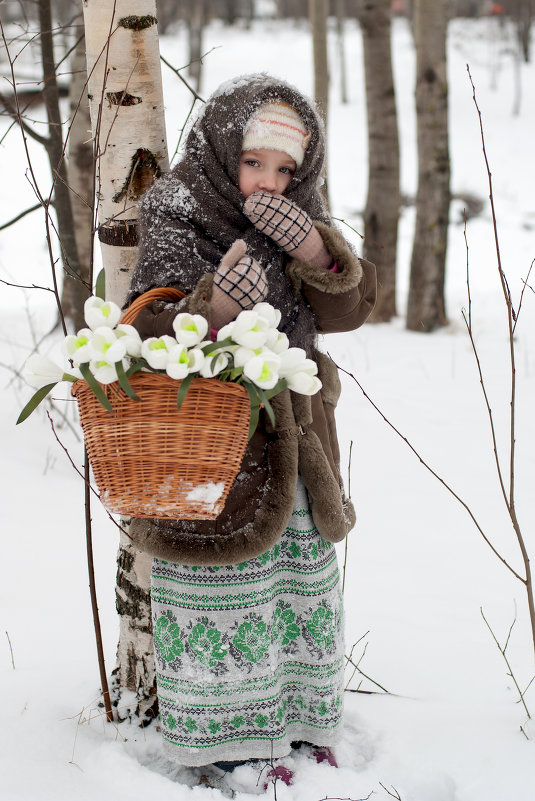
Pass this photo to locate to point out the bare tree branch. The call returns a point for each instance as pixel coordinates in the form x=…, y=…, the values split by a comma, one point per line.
x=433, y=473
x=19, y=217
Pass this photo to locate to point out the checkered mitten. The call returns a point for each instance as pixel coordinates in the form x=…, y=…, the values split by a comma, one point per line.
x=239, y=283
x=288, y=225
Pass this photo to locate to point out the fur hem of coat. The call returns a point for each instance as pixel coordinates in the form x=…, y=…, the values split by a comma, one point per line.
x=293, y=448
x=177, y=542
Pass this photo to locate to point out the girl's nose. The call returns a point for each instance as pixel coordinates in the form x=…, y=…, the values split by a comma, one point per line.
x=267, y=182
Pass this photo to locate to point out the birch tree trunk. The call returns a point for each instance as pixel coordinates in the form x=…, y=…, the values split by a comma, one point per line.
x=383, y=202
x=426, y=307
x=127, y=115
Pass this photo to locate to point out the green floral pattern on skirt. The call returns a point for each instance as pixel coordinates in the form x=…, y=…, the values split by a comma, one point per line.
x=249, y=657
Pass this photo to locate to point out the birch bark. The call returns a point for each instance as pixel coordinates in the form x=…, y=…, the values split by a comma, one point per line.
x=127, y=118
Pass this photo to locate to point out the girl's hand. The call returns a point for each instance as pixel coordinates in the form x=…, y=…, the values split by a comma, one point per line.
x=239, y=283
x=288, y=225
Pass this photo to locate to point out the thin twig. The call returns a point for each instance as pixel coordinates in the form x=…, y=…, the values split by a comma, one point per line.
x=24, y=286
x=337, y=798
x=502, y=651
x=93, y=591
x=82, y=475
x=176, y=71
x=20, y=216
x=525, y=286
x=512, y=318
x=435, y=474
x=11, y=649
x=396, y=796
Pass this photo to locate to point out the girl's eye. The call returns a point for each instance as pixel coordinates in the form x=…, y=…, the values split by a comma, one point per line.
x=252, y=163
x=286, y=170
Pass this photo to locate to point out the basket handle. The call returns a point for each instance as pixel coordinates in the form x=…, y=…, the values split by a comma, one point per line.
x=158, y=293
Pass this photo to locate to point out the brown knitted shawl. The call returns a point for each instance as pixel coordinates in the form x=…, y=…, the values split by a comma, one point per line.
x=192, y=215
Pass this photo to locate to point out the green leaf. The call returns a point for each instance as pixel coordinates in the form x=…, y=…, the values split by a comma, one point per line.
x=279, y=387
x=183, y=390
x=34, y=402
x=267, y=407
x=135, y=367
x=235, y=373
x=254, y=402
x=95, y=387
x=100, y=285
x=212, y=346
x=124, y=382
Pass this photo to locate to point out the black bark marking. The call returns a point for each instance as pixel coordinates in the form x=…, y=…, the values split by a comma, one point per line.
x=122, y=98
x=144, y=170
x=136, y=23
x=122, y=233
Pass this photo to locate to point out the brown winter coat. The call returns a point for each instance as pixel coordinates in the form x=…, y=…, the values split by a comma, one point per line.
x=304, y=441
x=189, y=219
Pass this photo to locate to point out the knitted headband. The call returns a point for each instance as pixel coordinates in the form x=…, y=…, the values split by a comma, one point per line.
x=277, y=126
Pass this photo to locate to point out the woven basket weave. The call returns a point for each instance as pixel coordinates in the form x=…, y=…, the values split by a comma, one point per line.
x=151, y=460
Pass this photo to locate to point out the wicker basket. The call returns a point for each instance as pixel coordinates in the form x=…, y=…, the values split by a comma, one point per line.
x=151, y=460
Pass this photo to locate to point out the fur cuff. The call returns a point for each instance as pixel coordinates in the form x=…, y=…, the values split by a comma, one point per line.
x=198, y=302
x=349, y=267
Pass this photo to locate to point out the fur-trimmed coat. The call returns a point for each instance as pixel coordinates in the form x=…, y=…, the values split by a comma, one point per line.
x=189, y=219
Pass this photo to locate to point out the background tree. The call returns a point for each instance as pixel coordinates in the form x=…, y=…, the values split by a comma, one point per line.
x=318, y=13
x=341, y=47
x=75, y=289
x=522, y=12
x=383, y=201
x=196, y=22
x=80, y=166
x=130, y=148
x=426, y=307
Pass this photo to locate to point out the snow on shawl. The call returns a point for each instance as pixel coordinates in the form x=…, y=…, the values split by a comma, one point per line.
x=191, y=216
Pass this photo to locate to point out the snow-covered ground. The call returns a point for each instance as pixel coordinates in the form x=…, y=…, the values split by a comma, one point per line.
x=418, y=572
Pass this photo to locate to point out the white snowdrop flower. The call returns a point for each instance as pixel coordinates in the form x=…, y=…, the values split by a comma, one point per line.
x=304, y=383
x=269, y=313
x=156, y=351
x=209, y=371
x=277, y=341
x=196, y=360
x=250, y=329
x=177, y=366
x=98, y=312
x=104, y=372
x=76, y=346
x=262, y=370
x=225, y=332
x=295, y=359
x=130, y=336
x=183, y=361
x=190, y=329
x=104, y=346
x=39, y=371
x=243, y=355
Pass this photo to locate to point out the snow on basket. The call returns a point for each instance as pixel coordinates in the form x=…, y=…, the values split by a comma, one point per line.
x=152, y=460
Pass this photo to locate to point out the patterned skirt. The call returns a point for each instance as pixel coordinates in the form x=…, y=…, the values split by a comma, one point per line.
x=250, y=657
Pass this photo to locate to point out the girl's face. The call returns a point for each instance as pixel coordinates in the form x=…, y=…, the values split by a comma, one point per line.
x=265, y=170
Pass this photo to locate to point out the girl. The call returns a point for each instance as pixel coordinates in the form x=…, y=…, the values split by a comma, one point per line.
x=247, y=613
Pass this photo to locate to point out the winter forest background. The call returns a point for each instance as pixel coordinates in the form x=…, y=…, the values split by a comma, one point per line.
x=434, y=711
